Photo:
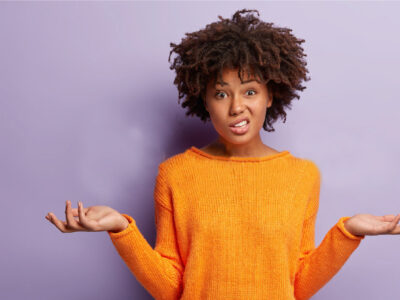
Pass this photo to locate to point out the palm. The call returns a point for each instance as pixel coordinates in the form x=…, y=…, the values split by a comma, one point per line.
x=367, y=224
x=93, y=218
x=100, y=217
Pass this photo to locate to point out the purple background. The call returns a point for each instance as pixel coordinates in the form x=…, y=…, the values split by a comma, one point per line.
x=89, y=110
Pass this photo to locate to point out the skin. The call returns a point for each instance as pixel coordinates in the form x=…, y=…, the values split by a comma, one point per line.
x=231, y=100
x=225, y=104
x=93, y=218
x=366, y=224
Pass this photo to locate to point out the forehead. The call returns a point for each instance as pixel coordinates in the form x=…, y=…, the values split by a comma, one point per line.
x=232, y=76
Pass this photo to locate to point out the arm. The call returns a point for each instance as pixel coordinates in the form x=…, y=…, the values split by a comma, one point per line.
x=159, y=270
x=317, y=266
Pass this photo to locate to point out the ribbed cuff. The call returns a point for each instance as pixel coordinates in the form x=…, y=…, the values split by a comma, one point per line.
x=127, y=230
x=340, y=224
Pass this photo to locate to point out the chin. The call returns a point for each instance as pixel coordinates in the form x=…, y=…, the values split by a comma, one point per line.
x=238, y=139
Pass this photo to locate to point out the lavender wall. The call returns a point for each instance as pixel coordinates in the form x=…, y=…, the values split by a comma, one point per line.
x=88, y=111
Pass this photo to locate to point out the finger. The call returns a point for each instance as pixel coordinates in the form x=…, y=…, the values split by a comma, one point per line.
x=71, y=222
x=388, y=218
x=393, y=225
x=59, y=224
x=75, y=212
x=396, y=230
x=87, y=223
x=396, y=220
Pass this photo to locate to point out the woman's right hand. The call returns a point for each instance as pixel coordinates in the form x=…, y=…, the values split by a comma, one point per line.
x=93, y=218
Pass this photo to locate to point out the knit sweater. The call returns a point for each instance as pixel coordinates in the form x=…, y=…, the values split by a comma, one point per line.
x=235, y=228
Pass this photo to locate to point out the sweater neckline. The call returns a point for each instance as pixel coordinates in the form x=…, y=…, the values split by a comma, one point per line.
x=200, y=152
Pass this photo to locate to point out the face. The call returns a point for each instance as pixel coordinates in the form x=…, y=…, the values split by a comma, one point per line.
x=230, y=100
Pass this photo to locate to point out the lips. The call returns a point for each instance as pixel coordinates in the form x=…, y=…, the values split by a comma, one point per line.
x=238, y=121
x=240, y=130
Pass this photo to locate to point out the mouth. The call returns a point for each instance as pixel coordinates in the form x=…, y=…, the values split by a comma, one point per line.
x=241, y=127
x=239, y=122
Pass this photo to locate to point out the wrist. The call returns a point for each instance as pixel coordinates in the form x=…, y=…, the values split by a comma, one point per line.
x=123, y=225
x=346, y=226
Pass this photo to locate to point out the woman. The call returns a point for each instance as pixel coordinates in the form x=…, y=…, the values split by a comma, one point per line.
x=236, y=218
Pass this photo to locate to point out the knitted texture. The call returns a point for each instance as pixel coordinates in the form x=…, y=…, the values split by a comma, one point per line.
x=235, y=228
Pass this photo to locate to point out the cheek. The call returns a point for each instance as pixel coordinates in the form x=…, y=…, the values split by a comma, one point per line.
x=218, y=120
x=258, y=116
x=259, y=110
x=217, y=112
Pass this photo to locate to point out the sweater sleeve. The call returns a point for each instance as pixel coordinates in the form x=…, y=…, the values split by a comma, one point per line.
x=159, y=270
x=317, y=266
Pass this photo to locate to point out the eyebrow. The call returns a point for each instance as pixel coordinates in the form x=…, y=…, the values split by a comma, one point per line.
x=225, y=83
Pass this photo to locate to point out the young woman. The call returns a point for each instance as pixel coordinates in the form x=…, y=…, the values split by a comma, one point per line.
x=236, y=218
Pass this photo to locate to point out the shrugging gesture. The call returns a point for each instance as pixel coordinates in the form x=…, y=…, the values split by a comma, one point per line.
x=366, y=224
x=93, y=218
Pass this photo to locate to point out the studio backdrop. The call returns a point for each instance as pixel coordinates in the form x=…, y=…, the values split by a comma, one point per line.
x=88, y=110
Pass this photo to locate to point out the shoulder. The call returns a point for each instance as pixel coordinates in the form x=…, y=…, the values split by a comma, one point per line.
x=308, y=168
x=313, y=172
x=313, y=167
x=174, y=164
x=303, y=164
x=173, y=161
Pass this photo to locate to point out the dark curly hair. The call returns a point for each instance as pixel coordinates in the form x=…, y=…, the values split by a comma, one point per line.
x=271, y=53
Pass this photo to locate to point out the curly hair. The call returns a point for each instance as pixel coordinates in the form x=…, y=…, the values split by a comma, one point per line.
x=271, y=53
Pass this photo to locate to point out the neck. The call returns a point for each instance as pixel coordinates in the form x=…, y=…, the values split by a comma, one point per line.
x=253, y=148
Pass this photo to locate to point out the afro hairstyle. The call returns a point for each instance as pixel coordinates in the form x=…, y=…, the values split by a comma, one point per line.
x=271, y=53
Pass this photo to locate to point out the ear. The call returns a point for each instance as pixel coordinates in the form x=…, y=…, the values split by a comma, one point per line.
x=270, y=100
x=203, y=98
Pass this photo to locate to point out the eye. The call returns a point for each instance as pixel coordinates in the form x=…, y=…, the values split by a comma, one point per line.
x=252, y=91
x=217, y=93
x=221, y=92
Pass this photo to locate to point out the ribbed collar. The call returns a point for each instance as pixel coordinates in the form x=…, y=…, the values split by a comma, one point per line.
x=196, y=151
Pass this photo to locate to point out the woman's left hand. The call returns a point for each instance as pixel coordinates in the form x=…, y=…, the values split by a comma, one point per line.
x=366, y=224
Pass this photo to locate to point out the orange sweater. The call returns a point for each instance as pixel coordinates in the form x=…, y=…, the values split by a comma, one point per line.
x=235, y=228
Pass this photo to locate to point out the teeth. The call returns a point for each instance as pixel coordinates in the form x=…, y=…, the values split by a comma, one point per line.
x=241, y=123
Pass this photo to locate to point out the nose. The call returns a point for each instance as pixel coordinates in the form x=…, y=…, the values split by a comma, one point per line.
x=237, y=106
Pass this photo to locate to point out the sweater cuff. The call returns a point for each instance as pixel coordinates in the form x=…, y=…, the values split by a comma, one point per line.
x=127, y=230
x=347, y=233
